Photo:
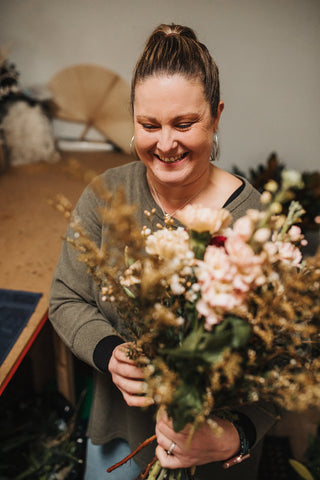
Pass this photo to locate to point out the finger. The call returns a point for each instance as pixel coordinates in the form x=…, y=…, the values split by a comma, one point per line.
x=121, y=353
x=167, y=444
x=162, y=414
x=133, y=391
x=132, y=387
x=125, y=370
x=167, y=461
x=137, y=400
x=164, y=425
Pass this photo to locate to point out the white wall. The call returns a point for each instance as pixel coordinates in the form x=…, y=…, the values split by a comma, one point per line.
x=267, y=52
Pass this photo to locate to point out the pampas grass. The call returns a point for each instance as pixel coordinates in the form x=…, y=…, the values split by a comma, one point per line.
x=28, y=135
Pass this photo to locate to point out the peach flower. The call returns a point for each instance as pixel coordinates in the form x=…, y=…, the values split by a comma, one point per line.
x=204, y=219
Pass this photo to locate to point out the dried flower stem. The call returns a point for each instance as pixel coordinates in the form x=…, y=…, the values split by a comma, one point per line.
x=148, y=468
x=132, y=454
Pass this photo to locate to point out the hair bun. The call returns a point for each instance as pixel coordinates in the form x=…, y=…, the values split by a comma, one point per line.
x=175, y=50
x=174, y=30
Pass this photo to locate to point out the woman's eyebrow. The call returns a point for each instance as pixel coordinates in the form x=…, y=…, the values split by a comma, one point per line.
x=144, y=118
x=188, y=116
x=178, y=118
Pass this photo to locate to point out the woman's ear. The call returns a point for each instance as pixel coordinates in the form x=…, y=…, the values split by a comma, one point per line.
x=217, y=119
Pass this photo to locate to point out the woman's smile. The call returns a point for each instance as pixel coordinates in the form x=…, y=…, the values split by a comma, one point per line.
x=172, y=159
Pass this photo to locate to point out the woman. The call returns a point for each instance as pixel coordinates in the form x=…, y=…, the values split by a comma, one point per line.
x=176, y=111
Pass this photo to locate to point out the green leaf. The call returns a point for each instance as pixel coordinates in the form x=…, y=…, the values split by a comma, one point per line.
x=209, y=346
x=242, y=332
x=199, y=242
x=301, y=470
x=192, y=341
x=187, y=403
x=129, y=293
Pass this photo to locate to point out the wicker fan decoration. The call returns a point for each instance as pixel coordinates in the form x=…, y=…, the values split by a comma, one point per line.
x=97, y=97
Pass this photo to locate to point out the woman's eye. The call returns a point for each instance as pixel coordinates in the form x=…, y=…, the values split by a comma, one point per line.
x=148, y=126
x=184, y=126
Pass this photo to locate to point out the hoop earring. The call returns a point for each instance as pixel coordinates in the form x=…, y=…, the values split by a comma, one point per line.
x=215, y=148
x=131, y=144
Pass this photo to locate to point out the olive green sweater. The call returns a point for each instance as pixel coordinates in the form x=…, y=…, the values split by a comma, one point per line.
x=89, y=326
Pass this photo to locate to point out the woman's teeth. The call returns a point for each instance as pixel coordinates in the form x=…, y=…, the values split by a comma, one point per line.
x=171, y=159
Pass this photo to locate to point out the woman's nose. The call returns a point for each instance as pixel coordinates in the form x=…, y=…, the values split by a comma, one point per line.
x=166, y=140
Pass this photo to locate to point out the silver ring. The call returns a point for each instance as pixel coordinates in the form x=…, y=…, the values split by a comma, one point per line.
x=169, y=452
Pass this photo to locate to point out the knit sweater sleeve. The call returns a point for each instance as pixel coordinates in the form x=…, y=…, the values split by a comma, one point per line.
x=76, y=310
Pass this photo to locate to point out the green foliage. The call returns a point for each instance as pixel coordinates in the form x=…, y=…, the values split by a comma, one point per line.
x=312, y=455
x=193, y=360
x=308, y=196
x=199, y=242
x=301, y=470
x=310, y=470
x=40, y=438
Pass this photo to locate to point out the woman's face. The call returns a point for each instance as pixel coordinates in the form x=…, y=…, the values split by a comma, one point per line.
x=173, y=128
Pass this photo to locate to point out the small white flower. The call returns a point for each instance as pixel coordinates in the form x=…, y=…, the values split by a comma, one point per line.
x=265, y=198
x=190, y=296
x=291, y=178
x=262, y=235
x=169, y=244
x=195, y=287
x=175, y=285
x=180, y=321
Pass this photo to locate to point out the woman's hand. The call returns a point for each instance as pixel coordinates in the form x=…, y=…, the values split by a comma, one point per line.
x=205, y=446
x=128, y=378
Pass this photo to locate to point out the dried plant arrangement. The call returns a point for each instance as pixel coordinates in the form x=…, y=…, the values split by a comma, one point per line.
x=219, y=315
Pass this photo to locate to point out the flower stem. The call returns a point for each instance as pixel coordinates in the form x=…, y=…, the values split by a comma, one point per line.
x=154, y=471
x=132, y=454
x=144, y=474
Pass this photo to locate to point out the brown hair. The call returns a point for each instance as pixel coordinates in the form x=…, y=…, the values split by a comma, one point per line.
x=175, y=49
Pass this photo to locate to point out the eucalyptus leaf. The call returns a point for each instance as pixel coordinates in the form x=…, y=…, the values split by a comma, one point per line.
x=129, y=293
x=301, y=470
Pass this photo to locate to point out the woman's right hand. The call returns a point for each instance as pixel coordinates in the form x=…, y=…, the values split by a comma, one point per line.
x=128, y=378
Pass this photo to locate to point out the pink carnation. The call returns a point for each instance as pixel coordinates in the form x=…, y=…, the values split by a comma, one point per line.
x=249, y=265
x=225, y=276
x=244, y=227
x=288, y=253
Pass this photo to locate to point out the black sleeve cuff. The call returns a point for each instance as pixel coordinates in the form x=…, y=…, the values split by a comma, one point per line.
x=248, y=427
x=103, y=351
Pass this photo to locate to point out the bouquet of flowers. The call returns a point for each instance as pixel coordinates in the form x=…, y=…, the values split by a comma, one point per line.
x=219, y=315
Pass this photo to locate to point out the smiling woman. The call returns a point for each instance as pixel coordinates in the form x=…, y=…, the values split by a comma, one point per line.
x=174, y=132
x=176, y=110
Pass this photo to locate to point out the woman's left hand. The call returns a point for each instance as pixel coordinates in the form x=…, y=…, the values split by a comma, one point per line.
x=205, y=446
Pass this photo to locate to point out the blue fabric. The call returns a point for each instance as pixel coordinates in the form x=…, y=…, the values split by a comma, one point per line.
x=101, y=457
x=16, y=307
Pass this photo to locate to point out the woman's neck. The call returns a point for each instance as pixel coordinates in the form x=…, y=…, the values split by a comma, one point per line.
x=211, y=190
x=173, y=197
